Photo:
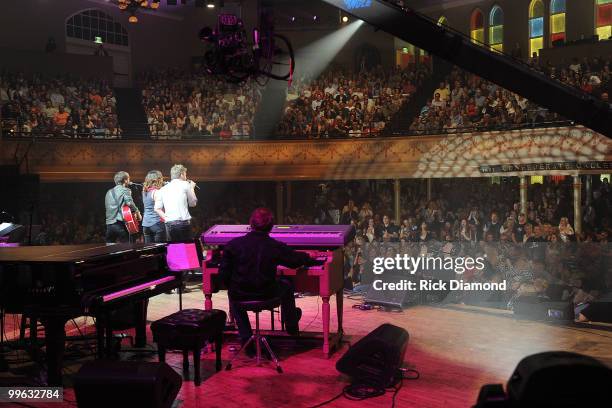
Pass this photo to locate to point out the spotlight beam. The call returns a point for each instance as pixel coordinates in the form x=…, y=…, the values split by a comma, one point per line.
x=315, y=57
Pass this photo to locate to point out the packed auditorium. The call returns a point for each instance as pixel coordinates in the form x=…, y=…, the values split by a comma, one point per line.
x=306, y=203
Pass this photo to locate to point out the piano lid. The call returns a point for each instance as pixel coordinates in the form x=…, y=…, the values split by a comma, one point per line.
x=70, y=253
x=292, y=235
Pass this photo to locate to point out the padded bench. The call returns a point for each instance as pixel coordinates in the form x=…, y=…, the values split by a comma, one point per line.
x=187, y=330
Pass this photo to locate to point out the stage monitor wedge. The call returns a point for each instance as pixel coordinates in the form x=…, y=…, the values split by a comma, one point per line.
x=552, y=379
x=104, y=384
x=560, y=379
x=378, y=355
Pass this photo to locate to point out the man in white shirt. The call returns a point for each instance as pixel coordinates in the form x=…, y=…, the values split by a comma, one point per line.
x=316, y=102
x=56, y=98
x=438, y=102
x=330, y=89
x=575, y=66
x=172, y=202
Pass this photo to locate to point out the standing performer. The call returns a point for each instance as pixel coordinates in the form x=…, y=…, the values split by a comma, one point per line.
x=153, y=227
x=172, y=202
x=116, y=198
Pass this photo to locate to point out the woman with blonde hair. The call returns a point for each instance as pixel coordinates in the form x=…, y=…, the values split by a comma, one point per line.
x=153, y=226
x=370, y=232
x=566, y=232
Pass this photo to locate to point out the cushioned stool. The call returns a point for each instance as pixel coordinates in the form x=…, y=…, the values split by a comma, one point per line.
x=257, y=306
x=190, y=329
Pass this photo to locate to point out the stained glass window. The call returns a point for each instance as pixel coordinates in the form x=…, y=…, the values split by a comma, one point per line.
x=557, y=20
x=603, y=26
x=477, y=27
x=536, y=26
x=496, y=29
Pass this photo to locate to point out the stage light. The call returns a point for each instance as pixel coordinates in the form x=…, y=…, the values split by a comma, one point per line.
x=155, y=5
x=133, y=19
x=345, y=19
x=314, y=18
x=210, y=5
x=293, y=19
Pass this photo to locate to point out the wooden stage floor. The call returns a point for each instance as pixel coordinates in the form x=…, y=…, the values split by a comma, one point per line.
x=456, y=349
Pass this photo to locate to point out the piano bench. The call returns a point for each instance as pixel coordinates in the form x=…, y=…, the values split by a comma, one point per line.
x=190, y=329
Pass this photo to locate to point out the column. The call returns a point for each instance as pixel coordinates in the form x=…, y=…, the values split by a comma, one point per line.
x=429, y=188
x=523, y=189
x=396, y=201
x=589, y=188
x=279, y=202
x=577, y=205
x=289, y=193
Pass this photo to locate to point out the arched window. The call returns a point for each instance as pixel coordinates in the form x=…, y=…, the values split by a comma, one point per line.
x=477, y=27
x=557, y=20
x=442, y=21
x=496, y=29
x=536, y=26
x=603, y=23
x=89, y=24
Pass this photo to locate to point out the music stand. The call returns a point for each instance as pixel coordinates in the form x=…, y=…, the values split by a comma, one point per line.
x=184, y=256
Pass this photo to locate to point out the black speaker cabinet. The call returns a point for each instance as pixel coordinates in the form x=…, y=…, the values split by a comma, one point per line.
x=392, y=298
x=598, y=312
x=378, y=356
x=532, y=307
x=560, y=379
x=131, y=384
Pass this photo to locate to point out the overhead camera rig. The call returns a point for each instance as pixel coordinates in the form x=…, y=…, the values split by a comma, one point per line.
x=234, y=58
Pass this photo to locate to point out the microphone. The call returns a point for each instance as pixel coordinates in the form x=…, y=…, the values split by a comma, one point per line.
x=194, y=184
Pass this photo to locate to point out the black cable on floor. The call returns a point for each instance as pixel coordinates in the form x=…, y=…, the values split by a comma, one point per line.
x=397, y=389
x=372, y=387
x=329, y=400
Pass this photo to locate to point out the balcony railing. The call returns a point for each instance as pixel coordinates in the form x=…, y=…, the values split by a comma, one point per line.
x=11, y=130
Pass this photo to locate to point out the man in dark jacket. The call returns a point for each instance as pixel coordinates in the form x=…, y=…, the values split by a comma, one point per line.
x=248, y=268
x=116, y=198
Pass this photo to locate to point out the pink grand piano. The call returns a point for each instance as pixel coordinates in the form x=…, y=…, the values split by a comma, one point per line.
x=322, y=242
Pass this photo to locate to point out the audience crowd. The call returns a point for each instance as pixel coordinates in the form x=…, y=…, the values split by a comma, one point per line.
x=536, y=251
x=57, y=106
x=465, y=101
x=590, y=75
x=179, y=104
x=336, y=103
x=348, y=104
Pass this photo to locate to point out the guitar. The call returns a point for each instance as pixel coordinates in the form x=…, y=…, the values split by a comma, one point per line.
x=128, y=218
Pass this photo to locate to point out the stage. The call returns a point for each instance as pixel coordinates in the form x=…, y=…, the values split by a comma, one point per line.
x=455, y=348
